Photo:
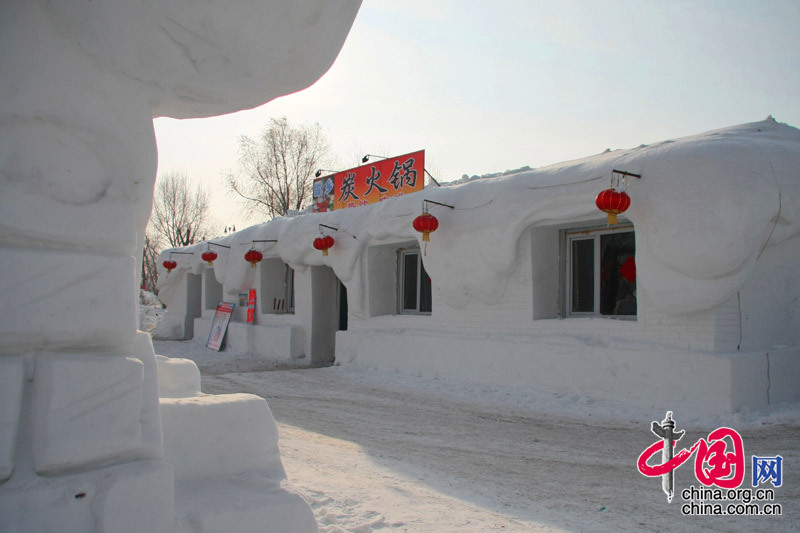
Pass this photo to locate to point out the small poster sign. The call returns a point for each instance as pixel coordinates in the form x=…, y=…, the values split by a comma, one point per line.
x=220, y=325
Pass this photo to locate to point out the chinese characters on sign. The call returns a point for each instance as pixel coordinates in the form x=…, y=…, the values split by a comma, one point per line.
x=251, y=307
x=323, y=194
x=371, y=183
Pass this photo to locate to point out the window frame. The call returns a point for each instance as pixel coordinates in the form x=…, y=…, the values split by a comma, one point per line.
x=402, y=253
x=593, y=233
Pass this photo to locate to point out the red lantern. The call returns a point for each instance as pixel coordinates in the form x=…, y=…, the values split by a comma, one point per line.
x=613, y=202
x=169, y=264
x=324, y=243
x=209, y=256
x=253, y=257
x=426, y=224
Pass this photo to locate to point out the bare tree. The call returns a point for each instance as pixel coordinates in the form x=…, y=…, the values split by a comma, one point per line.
x=152, y=247
x=276, y=170
x=180, y=212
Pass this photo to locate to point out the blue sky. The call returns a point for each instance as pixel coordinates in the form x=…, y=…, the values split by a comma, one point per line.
x=485, y=87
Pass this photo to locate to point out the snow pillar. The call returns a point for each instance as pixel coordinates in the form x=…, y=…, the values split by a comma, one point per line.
x=80, y=433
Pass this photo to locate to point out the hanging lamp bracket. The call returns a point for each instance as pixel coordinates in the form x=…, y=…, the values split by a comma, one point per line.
x=326, y=226
x=180, y=253
x=626, y=173
x=425, y=207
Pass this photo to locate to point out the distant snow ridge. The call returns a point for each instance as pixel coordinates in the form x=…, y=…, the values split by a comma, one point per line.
x=467, y=178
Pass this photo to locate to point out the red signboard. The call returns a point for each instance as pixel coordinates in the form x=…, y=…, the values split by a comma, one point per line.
x=371, y=183
x=251, y=307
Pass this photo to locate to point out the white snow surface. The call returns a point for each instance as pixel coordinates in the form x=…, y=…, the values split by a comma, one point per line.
x=708, y=204
x=377, y=452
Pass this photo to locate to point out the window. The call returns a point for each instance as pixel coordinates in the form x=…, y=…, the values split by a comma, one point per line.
x=415, y=284
x=601, y=272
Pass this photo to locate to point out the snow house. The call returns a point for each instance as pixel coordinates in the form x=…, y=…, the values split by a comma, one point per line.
x=690, y=301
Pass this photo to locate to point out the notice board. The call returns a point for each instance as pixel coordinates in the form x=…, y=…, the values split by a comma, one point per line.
x=220, y=325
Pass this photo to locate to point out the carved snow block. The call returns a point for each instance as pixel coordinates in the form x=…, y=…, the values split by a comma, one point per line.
x=152, y=438
x=64, y=299
x=177, y=378
x=12, y=371
x=134, y=497
x=220, y=436
x=251, y=504
x=139, y=498
x=86, y=409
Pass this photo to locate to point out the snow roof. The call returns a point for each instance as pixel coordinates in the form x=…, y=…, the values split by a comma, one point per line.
x=704, y=210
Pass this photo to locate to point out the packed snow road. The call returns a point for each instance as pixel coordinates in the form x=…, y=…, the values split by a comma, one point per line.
x=373, y=452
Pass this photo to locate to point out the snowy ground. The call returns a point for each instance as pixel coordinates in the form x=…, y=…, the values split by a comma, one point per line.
x=373, y=452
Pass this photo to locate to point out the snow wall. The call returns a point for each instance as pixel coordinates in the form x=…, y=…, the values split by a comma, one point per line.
x=717, y=221
x=81, y=442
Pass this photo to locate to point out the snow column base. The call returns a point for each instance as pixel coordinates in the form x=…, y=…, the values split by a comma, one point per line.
x=132, y=497
x=228, y=472
x=11, y=376
x=92, y=409
x=241, y=504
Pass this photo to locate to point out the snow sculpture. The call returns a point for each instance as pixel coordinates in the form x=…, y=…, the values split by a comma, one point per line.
x=80, y=435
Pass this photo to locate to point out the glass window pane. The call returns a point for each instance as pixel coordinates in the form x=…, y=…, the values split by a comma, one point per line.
x=425, y=291
x=582, y=255
x=617, y=274
x=410, y=281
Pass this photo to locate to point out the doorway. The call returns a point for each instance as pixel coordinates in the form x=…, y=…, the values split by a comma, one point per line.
x=328, y=313
x=342, y=307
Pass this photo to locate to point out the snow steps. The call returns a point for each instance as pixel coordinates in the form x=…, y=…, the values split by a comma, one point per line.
x=228, y=472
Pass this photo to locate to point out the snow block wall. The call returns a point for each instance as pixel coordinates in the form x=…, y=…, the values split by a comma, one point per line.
x=81, y=436
x=716, y=222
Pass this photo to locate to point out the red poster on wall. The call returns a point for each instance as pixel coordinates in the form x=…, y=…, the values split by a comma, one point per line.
x=251, y=307
x=375, y=182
